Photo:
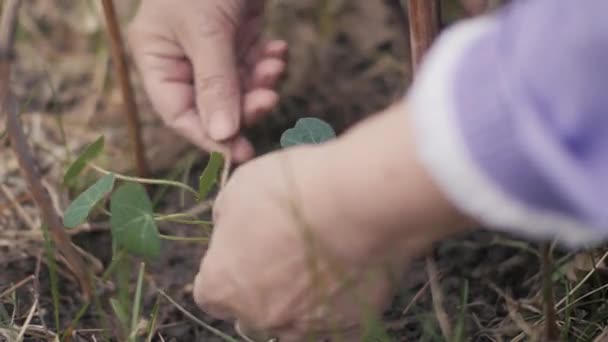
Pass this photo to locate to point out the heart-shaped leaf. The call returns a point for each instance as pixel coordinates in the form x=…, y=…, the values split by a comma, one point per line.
x=81, y=207
x=210, y=175
x=89, y=153
x=133, y=225
x=307, y=131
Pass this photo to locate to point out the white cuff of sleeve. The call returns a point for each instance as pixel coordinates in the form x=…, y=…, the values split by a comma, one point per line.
x=443, y=151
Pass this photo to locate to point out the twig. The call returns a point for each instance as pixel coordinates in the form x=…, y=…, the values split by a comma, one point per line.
x=551, y=329
x=19, y=144
x=122, y=72
x=16, y=286
x=8, y=27
x=18, y=208
x=416, y=297
x=423, y=18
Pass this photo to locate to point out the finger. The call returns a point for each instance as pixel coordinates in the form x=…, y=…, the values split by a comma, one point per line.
x=242, y=150
x=217, y=89
x=203, y=286
x=272, y=49
x=266, y=73
x=276, y=49
x=258, y=103
x=190, y=127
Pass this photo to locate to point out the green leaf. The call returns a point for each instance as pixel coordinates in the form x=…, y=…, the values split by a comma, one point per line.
x=307, y=131
x=89, y=153
x=210, y=175
x=133, y=225
x=81, y=207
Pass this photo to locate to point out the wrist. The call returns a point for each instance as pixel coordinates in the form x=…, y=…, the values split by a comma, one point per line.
x=382, y=188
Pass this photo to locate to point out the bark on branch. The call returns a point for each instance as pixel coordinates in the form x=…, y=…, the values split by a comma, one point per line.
x=424, y=23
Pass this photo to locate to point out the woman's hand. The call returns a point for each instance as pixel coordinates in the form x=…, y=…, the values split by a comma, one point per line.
x=312, y=240
x=204, y=69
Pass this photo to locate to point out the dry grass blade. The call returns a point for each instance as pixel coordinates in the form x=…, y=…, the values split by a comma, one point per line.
x=25, y=159
x=440, y=313
x=416, y=298
x=18, y=208
x=189, y=315
x=585, y=278
x=122, y=72
x=16, y=286
x=30, y=315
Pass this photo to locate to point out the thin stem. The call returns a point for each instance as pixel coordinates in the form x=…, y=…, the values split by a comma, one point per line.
x=189, y=315
x=145, y=180
x=551, y=329
x=184, y=239
x=423, y=18
x=181, y=218
x=122, y=72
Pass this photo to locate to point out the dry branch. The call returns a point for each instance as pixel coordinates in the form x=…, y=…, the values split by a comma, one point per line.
x=10, y=109
x=122, y=72
x=551, y=332
x=423, y=16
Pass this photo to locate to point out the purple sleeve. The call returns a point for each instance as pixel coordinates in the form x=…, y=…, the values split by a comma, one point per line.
x=523, y=97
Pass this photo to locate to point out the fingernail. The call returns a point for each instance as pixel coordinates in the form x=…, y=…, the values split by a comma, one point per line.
x=220, y=127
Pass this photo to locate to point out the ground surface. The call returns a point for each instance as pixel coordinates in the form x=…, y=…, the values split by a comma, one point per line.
x=348, y=59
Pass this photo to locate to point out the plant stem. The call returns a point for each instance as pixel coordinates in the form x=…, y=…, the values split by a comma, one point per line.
x=189, y=315
x=137, y=302
x=181, y=218
x=551, y=329
x=423, y=18
x=122, y=72
x=184, y=239
x=145, y=180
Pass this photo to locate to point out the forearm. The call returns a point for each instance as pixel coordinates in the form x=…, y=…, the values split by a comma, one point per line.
x=375, y=177
x=510, y=119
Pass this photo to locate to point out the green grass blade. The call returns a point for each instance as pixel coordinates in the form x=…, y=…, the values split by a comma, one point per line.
x=460, y=324
x=154, y=318
x=136, y=311
x=83, y=309
x=120, y=313
x=4, y=316
x=50, y=256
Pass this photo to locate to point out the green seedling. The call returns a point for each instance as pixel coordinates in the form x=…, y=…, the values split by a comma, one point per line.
x=307, y=131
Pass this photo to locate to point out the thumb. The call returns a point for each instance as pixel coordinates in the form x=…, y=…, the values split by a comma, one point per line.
x=216, y=82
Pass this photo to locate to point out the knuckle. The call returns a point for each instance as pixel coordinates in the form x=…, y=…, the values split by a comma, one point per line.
x=218, y=86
